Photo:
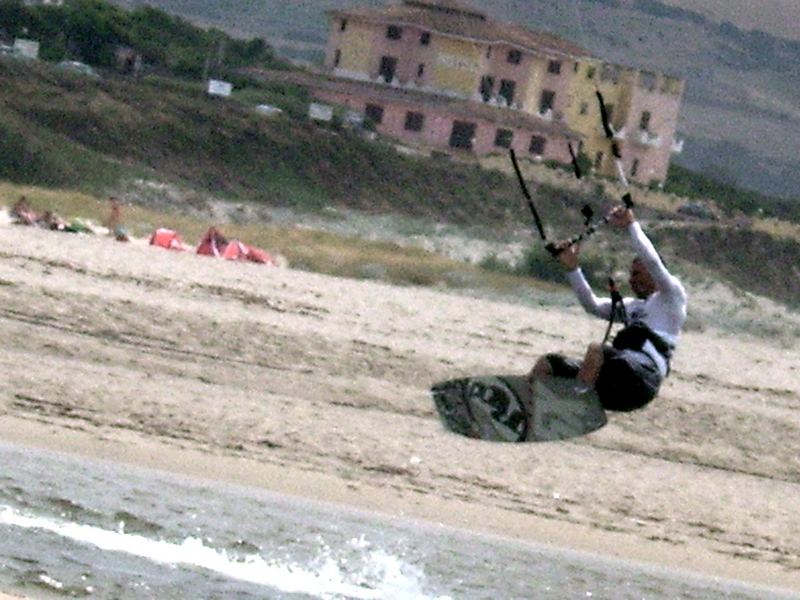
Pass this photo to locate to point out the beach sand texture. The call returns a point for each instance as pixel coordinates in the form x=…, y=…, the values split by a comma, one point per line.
x=313, y=385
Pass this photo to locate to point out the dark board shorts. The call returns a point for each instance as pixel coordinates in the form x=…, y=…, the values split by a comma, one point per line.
x=628, y=379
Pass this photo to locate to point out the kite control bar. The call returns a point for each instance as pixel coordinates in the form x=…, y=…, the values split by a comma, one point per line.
x=590, y=227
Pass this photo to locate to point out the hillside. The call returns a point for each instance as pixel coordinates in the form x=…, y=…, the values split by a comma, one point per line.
x=741, y=113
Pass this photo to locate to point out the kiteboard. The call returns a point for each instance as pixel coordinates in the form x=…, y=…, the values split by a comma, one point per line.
x=504, y=408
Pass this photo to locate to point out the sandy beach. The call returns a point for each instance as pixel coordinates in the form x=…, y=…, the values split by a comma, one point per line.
x=316, y=386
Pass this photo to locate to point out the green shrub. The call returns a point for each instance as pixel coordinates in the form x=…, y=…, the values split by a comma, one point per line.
x=685, y=183
x=492, y=263
x=596, y=265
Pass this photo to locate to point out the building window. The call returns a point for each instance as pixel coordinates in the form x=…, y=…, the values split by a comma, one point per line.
x=337, y=57
x=554, y=67
x=514, y=57
x=393, y=32
x=388, y=67
x=425, y=38
x=537, y=146
x=462, y=135
x=635, y=167
x=610, y=112
x=488, y=52
x=610, y=73
x=503, y=138
x=546, y=101
x=487, y=87
x=644, y=121
x=420, y=70
x=598, y=160
x=584, y=108
x=414, y=121
x=507, y=88
x=647, y=80
x=374, y=113
x=590, y=72
x=343, y=25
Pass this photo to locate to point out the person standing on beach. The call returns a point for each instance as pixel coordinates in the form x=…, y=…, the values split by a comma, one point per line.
x=114, y=221
x=628, y=373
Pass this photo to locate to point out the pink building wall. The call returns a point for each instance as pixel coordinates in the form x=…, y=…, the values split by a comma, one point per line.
x=663, y=108
x=438, y=126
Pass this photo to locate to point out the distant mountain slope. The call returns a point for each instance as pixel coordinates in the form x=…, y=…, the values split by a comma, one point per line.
x=741, y=114
x=777, y=17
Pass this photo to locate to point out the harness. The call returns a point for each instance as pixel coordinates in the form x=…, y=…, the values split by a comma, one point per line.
x=641, y=337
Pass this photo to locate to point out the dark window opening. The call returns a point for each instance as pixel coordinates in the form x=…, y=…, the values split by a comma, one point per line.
x=610, y=73
x=547, y=101
x=414, y=121
x=590, y=72
x=343, y=25
x=647, y=80
x=420, y=70
x=514, y=57
x=598, y=160
x=388, y=67
x=487, y=87
x=507, y=88
x=393, y=32
x=537, y=146
x=635, y=167
x=337, y=56
x=425, y=38
x=584, y=108
x=374, y=113
x=644, y=122
x=554, y=67
x=462, y=135
x=488, y=52
x=610, y=111
x=503, y=138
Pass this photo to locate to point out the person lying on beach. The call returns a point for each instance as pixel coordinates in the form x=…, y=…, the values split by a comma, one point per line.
x=213, y=243
x=50, y=220
x=628, y=373
x=22, y=213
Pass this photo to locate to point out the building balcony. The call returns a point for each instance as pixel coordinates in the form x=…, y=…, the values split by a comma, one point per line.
x=645, y=138
x=677, y=146
x=348, y=74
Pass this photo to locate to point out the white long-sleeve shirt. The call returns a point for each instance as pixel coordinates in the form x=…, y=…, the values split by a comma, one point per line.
x=664, y=311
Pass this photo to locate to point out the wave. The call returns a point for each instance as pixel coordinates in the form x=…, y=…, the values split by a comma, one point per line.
x=377, y=575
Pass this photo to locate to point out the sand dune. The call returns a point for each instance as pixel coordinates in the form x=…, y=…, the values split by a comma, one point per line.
x=314, y=385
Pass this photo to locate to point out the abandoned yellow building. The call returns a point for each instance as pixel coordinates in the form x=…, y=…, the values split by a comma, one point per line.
x=444, y=75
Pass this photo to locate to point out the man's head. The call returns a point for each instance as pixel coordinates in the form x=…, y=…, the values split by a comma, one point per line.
x=640, y=280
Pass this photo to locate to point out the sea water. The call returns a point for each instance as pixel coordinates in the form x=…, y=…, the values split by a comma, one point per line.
x=73, y=527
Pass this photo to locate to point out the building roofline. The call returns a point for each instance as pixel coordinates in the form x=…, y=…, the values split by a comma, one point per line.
x=377, y=17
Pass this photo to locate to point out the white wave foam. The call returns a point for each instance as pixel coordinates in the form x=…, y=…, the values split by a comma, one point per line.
x=383, y=575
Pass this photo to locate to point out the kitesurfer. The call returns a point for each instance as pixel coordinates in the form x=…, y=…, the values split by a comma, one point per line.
x=627, y=373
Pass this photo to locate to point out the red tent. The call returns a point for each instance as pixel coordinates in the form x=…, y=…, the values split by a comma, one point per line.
x=236, y=250
x=167, y=238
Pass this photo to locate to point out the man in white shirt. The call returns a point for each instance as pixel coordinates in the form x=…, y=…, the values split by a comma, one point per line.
x=627, y=374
